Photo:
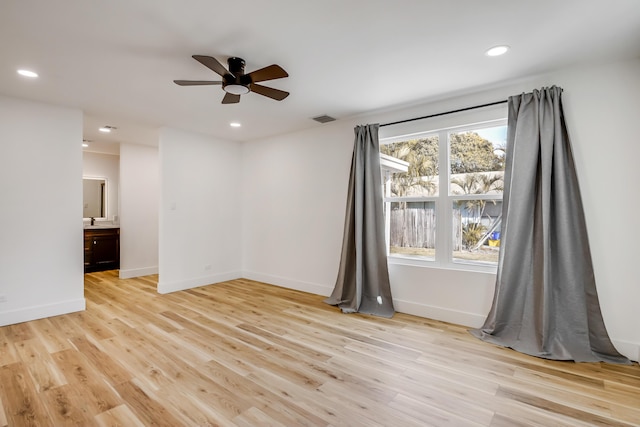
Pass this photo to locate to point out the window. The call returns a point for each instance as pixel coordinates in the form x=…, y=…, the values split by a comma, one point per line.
x=444, y=207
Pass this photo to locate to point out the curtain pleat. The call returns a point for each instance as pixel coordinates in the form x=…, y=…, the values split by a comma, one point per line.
x=362, y=284
x=545, y=302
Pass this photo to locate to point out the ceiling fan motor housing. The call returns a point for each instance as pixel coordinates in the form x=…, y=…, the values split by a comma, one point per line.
x=236, y=79
x=236, y=66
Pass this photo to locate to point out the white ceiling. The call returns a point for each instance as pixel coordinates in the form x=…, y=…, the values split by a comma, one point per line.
x=115, y=60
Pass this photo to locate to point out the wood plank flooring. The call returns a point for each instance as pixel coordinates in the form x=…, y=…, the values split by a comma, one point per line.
x=243, y=353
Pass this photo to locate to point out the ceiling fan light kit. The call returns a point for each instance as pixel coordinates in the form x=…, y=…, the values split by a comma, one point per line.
x=236, y=89
x=235, y=82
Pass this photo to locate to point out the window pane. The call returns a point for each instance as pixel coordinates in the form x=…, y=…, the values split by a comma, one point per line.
x=413, y=229
x=477, y=161
x=476, y=230
x=422, y=177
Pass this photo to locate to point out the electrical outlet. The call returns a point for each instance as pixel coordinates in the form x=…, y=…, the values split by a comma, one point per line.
x=3, y=298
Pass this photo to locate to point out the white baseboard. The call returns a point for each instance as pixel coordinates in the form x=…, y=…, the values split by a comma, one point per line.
x=628, y=349
x=312, y=288
x=471, y=320
x=430, y=312
x=167, y=287
x=137, y=272
x=462, y=318
x=41, y=311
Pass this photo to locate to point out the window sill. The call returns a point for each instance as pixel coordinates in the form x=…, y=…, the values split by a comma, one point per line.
x=455, y=266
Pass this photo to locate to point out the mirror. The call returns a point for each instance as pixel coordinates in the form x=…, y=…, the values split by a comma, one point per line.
x=94, y=196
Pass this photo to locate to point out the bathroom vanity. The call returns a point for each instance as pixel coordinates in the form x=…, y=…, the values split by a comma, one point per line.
x=101, y=248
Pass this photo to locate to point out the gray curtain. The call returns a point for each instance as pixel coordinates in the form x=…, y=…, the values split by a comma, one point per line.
x=363, y=278
x=545, y=302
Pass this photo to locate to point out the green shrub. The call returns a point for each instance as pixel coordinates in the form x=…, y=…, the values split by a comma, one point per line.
x=472, y=232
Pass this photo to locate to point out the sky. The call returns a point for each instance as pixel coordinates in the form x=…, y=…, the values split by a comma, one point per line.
x=497, y=135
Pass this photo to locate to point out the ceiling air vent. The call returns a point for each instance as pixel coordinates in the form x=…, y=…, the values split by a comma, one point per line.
x=324, y=119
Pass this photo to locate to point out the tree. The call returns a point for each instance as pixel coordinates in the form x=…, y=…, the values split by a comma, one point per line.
x=472, y=153
x=478, y=183
x=422, y=156
x=473, y=231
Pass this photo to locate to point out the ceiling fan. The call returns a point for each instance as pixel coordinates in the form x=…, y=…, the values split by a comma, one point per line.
x=235, y=82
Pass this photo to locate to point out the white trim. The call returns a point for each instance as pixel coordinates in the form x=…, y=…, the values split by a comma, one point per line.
x=472, y=320
x=447, y=129
x=478, y=267
x=137, y=272
x=420, y=128
x=627, y=348
x=443, y=314
x=167, y=287
x=41, y=311
x=312, y=288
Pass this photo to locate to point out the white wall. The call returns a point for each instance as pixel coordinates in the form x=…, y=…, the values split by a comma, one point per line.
x=105, y=166
x=273, y=210
x=41, y=255
x=140, y=204
x=602, y=106
x=200, y=220
x=294, y=198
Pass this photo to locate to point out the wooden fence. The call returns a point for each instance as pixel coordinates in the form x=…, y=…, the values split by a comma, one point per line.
x=416, y=228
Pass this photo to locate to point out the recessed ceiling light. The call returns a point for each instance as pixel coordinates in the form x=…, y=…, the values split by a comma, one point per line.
x=85, y=145
x=107, y=128
x=235, y=124
x=28, y=73
x=497, y=50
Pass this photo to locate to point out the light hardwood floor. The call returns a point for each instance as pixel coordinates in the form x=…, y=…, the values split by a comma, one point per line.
x=243, y=353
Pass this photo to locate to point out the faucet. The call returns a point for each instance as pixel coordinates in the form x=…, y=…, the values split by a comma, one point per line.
x=93, y=221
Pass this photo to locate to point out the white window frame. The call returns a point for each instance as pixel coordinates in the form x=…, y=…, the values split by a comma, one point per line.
x=443, y=201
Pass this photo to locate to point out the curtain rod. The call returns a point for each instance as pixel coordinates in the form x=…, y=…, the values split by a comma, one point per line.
x=443, y=114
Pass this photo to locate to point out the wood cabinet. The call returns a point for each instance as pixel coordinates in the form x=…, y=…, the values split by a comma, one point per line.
x=101, y=249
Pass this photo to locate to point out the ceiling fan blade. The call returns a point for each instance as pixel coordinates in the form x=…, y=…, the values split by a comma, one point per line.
x=276, y=94
x=230, y=98
x=211, y=63
x=195, y=82
x=268, y=73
